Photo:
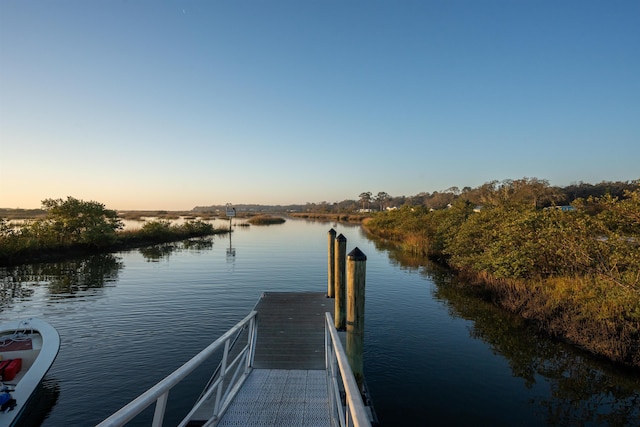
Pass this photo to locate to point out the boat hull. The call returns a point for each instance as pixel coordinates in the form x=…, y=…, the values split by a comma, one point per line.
x=36, y=343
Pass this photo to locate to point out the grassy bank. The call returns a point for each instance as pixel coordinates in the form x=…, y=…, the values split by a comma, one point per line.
x=265, y=220
x=74, y=228
x=575, y=274
x=30, y=252
x=167, y=215
x=332, y=217
x=585, y=311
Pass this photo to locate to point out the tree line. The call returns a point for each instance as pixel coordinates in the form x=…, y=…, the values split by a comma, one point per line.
x=574, y=271
x=538, y=191
x=77, y=226
x=381, y=200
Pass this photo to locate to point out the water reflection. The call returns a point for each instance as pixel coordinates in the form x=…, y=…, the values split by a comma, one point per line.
x=156, y=253
x=162, y=251
x=583, y=390
x=231, y=251
x=41, y=403
x=65, y=279
x=198, y=244
x=62, y=279
x=535, y=377
x=12, y=288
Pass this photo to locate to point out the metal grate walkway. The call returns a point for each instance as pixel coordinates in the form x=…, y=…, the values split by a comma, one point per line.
x=288, y=383
x=278, y=397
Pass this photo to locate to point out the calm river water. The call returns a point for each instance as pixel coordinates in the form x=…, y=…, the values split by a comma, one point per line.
x=434, y=356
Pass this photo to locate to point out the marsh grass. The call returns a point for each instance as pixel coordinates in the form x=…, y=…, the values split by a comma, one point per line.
x=575, y=275
x=586, y=311
x=20, y=214
x=331, y=217
x=16, y=249
x=160, y=214
x=265, y=220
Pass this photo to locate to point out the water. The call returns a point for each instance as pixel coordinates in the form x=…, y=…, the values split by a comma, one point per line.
x=434, y=355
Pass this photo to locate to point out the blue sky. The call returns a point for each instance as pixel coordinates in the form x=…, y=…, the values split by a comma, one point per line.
x=174, y=104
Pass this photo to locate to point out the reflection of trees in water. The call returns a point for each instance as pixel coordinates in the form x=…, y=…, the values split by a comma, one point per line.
x=584, y=390
x=156, y=253
x=41, y=403
x=61, y=278
x=67, y=278
x=11, y=287
x=198, y=244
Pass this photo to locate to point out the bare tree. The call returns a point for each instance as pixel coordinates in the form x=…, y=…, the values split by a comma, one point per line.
x=365, y=198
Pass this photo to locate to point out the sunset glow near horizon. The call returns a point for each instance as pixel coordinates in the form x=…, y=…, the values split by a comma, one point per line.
x=145, y=105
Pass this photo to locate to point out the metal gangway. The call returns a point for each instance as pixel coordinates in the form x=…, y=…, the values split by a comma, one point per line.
x=238, y=388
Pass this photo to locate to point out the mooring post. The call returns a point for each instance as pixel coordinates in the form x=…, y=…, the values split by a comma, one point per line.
x=340, y=314
x=331, y=267
x=356, y=269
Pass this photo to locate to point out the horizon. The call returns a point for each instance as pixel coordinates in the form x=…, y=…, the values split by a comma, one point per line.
x=636, y=181
x=169, y=106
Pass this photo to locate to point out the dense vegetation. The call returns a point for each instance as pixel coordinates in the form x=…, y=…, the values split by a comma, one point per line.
x=331, y=217
x=435, y=200
x=265, y=220
x=74, y=226
x=574, y=271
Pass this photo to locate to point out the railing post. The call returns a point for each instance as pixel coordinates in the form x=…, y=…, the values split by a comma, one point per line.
x=161, y=406
x=223, y=373
x=340, y=283
x=356, y=269
x=331, y=264
x=251, y=344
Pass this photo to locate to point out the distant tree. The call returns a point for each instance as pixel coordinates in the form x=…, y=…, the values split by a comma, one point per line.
x=417, y=200
x=365, y=198
x=75, y=221
x=398, y=201
x=532, y=191
x=583, y=190
x=455, y=190
x=382, y=198
x=439, y=200
x=536, y=191
x=324, y=207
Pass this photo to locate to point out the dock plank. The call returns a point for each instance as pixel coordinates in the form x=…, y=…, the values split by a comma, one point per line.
x=291, y=330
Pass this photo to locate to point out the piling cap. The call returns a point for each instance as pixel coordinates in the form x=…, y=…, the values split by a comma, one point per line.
x=332, y=232
x=341, y=238
x=357, y=255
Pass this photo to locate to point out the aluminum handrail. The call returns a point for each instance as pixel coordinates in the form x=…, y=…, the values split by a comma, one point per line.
x=352, y=412
x=159, y=393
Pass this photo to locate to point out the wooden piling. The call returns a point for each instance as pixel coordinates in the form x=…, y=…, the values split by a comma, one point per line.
x=340, y=312
x=331, y=279
x=356, y=274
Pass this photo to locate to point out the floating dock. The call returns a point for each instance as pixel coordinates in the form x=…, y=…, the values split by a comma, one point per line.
x=288, y=383
x=284, y=364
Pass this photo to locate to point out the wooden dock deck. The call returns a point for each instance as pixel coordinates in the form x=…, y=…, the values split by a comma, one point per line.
x=291, y=330
x=288, y=385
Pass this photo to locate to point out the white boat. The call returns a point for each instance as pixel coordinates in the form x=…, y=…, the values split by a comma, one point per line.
x=32, y=345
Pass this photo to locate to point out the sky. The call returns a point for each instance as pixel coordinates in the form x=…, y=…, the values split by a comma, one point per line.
x=146, y=105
